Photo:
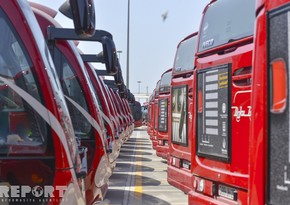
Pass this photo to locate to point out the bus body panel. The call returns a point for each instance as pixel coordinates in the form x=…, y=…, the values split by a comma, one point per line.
x=269, y=159
x=258, y=145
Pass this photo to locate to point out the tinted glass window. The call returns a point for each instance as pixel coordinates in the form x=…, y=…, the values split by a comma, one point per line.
x=96, y=93
x=72, y=89
x=226, y=21
x=22, y=129
x=165, y=82
x=185, y=55
x=157, y=89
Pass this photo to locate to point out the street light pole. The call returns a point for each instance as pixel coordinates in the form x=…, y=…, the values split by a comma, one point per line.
x=138, y=86
x=128, y=31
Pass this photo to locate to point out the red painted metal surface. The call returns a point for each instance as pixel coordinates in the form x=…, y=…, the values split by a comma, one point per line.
x=177, y=175
x=231, y=173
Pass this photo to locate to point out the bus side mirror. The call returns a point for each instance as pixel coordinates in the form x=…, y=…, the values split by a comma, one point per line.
x=83, y=15
x=110, y=55
x=119, y=77
x=121, y=88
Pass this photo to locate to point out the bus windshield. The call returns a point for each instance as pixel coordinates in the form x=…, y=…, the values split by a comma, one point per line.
x=226, y=21
x=185, y=55
x=157, y=89
x=22, y=129
x=165, y=82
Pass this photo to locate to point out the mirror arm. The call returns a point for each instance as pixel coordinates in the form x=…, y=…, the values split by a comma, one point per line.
x=92, y=58
x=54, y=33
x=102, y=73
x=109, y=82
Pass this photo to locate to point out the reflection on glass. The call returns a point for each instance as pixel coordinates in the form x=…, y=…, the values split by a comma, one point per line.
x=185, y=55
x=72, y=89
x=179, y=115
x=22, y=130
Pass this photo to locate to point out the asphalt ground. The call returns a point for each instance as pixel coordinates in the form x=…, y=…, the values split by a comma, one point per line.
x=140, y=177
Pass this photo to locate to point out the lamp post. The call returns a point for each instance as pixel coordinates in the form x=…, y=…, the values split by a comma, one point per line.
x=139, y=82
x=128, y=31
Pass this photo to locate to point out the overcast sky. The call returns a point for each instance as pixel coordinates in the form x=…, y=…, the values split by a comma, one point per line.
x=152, y=41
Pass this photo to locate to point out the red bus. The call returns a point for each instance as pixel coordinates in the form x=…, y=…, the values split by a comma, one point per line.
x=162, y=148
x=38, y=145
x=107, y=109
x=150, y=116
x=82, y=104
x=223, y=111
x=126, y=100
x=182, y=112
x=269, y=146
x=110, y=124
x=124, y=118
x=115, y=115
x=155, y=116
x=120, y=118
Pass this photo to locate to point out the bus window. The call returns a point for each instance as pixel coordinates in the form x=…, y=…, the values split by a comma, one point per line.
x=165, y=82
x=72, y=89
x=22, y=130
x=220, y=27
x=184, y=59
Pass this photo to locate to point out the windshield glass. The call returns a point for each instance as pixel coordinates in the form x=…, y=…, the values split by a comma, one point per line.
x=165, y=82
x=50, y=69
x=185, y=55
x=22, y=129
x=226, y=21
x=157, y=89
x=72, y=89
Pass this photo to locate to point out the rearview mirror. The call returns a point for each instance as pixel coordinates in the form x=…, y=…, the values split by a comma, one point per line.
x=83, y=15
x=121, y=88
x=119, y=77
x=128, y=94
x=110, y=55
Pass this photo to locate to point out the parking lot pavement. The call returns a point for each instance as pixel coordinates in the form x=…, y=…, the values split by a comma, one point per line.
x=140, y=177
